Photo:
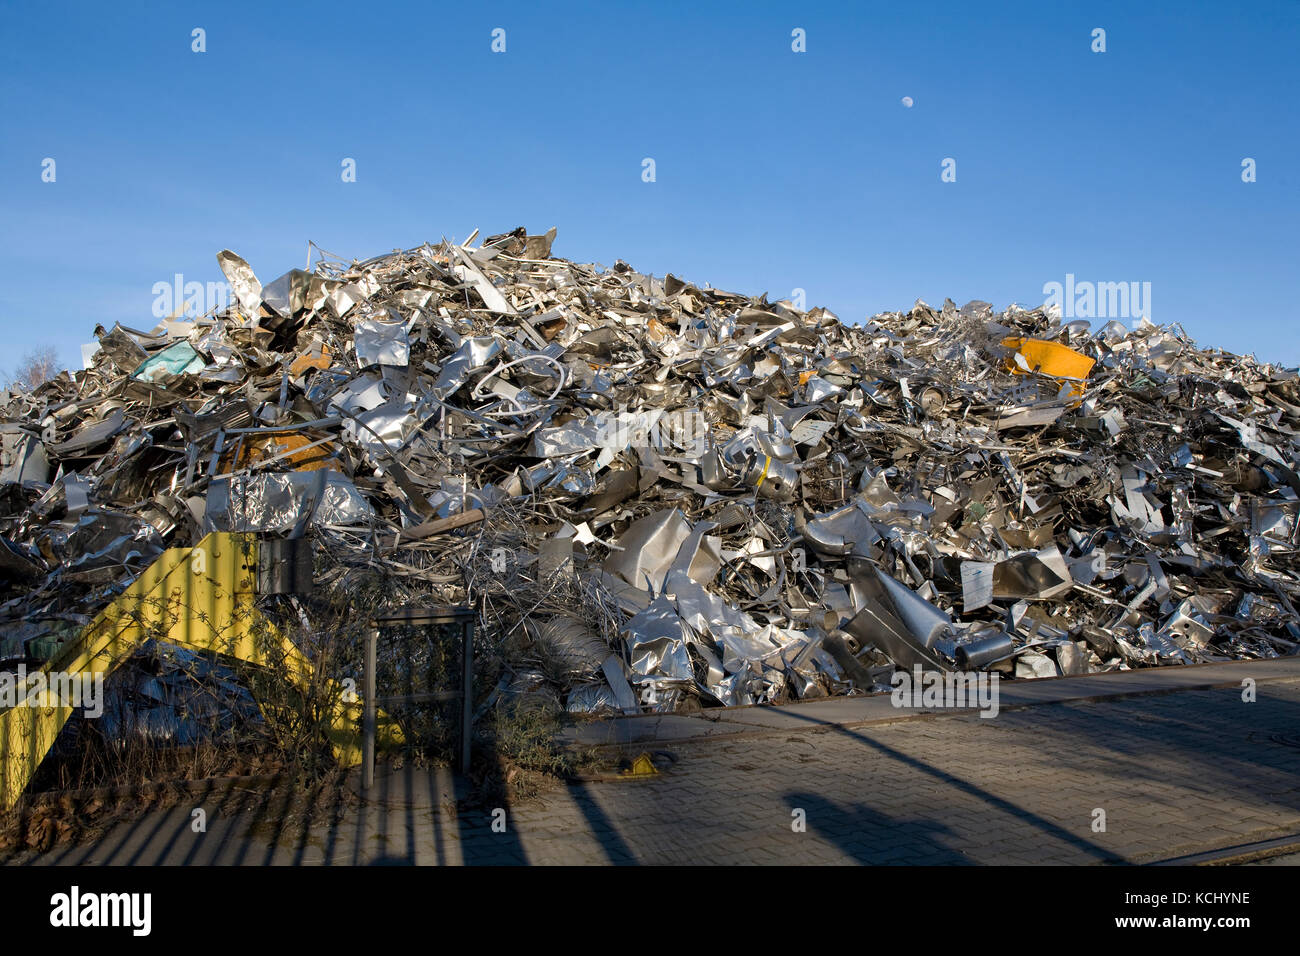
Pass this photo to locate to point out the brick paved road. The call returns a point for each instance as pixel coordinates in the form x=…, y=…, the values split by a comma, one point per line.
x=1175, y=773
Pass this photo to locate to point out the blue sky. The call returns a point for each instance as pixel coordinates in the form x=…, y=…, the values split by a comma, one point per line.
x=775, y=170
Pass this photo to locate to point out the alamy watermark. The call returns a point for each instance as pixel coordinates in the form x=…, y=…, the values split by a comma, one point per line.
x=960, y=690
x=75, y=909
x=1099, y=300
x=684, y=429
x=179, y=297
x=54, y=689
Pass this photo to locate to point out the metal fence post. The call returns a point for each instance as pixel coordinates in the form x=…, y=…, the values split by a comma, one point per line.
x=467, y=693
x=368, y=713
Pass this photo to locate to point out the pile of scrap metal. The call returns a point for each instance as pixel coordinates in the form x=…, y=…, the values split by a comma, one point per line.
x=660, y=495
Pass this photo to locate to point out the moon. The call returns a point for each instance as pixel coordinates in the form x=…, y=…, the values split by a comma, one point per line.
x=907, y=101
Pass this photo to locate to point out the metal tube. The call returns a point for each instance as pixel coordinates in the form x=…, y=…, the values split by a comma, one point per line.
x=368, y=713
x=985, y=650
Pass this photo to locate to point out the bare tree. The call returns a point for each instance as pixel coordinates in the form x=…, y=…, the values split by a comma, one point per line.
x=37, y=367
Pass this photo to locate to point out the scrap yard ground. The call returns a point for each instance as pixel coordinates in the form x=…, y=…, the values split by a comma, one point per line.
x=1165, y=753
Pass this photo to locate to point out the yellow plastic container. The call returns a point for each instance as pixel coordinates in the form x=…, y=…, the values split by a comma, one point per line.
x=1050, y=358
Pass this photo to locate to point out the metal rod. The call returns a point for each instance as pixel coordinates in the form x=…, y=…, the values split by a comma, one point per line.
x=368, y=713
x=293, y=427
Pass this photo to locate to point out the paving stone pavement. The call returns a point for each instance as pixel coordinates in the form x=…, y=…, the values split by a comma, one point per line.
x=1175, y=774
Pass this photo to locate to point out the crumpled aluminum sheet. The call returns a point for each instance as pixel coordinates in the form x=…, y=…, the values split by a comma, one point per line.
x=284, y=501
x=242, y=279
x=381, y=430
x=592, y=699
x=648, y=549
x=474, y=354
x=165, y=695
x=656, y=641
x=573, y=438
x=22, y=457
x=382, y=342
